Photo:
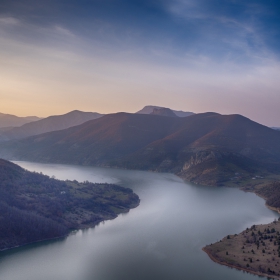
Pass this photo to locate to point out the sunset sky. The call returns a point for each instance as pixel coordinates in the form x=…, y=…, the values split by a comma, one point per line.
x=120, y=55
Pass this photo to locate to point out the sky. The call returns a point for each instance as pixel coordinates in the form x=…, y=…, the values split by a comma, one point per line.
x=119, y=55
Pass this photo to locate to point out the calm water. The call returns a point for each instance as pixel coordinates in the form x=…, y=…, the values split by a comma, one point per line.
x=160, y=239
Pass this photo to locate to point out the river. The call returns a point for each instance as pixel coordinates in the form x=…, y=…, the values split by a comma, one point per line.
x=160, y=239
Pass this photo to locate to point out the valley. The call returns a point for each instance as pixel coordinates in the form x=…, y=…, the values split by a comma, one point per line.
x=160, y=238
x=206, y=149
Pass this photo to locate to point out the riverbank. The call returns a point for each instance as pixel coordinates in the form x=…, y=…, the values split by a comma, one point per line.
x=269, y=276
x=255, y=250
x=83, y=227
x=165, y=246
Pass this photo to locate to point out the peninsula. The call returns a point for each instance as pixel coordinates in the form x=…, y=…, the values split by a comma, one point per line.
x=256, y=249
x=35, y=207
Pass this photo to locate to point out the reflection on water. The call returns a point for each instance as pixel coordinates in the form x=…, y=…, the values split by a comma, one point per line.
x=160, y=239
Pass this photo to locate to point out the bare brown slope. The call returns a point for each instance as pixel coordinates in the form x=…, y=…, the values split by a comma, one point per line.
x=211, y=148
x=242, y=134
x=52, y=123
x=205, y=148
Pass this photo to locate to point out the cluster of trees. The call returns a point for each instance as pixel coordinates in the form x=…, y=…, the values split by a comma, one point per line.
x=18, y=227
x=260, y=238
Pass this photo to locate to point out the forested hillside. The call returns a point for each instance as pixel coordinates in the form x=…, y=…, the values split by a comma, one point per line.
x=35, y=207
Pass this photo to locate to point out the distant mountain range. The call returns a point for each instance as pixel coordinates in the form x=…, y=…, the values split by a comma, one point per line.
x=204, y=148
x=30, y=126
x=52, y=123
x=150, y=110
x=276, y=128
x=7, y=120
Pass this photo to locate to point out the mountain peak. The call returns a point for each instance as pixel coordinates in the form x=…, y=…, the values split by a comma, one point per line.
x=166, y=112
x=149, y=110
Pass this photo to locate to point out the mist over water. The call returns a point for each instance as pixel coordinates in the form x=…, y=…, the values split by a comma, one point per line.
x=160, y=239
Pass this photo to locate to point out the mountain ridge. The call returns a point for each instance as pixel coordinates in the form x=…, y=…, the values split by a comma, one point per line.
x=204, y=148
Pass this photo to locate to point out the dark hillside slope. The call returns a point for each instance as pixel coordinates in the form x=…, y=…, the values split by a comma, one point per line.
x=206, y=148
x=18, y=225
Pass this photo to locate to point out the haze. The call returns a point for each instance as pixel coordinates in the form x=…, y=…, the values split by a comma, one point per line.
x=109, y=56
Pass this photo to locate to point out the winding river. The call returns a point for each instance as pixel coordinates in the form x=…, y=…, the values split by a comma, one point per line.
x=160, y=239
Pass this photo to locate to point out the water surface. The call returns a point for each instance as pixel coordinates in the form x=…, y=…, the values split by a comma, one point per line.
x=160, y=239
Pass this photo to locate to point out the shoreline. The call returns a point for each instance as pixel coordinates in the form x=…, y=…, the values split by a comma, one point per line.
x=276, y=209
x=58, y=237
x=224, y=263
x=38, y=241
x=210, y=255
x=237, y=267
x=69, y=233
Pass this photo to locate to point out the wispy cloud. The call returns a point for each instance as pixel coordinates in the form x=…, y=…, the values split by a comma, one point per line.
x=27, y=33
x=63, y=31
x=197, y=55
x=235, y=28
x=187, y=9
x=8, y=21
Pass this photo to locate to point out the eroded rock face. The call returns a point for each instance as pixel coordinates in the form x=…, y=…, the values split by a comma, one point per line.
x=213, y=168
x=166, y=112
x=203, y=156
